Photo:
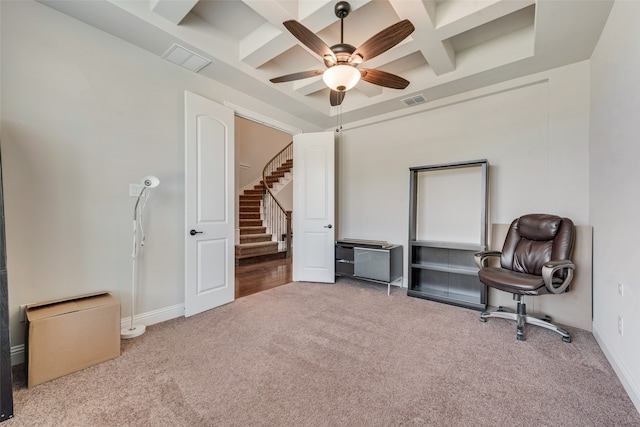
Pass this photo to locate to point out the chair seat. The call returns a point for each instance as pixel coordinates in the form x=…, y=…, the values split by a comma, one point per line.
x=512, y=281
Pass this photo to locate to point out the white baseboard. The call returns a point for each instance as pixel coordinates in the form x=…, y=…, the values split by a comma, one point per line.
x=148, y=318
x=155, y=316
x=620, y=369
x=17, y=354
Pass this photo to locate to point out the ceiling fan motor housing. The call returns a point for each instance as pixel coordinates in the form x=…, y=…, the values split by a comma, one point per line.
x=342, y=52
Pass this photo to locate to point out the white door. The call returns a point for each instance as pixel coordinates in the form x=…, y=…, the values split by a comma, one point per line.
x=209, y=212
x=313, y=207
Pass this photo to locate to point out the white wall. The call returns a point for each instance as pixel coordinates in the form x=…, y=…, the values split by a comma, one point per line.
x=83, y=115
x=615, y=200
x=285, y=196
x=533, y=131
x=256, y=144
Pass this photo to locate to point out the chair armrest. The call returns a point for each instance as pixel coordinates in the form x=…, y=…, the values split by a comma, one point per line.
x=549, y=269
x=481, y=257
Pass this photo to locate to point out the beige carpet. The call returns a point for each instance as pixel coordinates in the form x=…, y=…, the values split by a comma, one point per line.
x=339, y=354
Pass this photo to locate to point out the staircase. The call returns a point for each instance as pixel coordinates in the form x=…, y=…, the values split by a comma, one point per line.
x=256, y=244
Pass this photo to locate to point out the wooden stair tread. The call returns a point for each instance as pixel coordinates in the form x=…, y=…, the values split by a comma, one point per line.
x=256, y=248
x=250, y=222
x=254, y=259
x=252, y=230
x=257, y=244
x=261, y=237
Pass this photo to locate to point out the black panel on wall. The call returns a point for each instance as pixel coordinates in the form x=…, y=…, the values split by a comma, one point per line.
x=6, y=381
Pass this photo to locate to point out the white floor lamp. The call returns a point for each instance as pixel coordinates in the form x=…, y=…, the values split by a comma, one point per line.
x=148, y=183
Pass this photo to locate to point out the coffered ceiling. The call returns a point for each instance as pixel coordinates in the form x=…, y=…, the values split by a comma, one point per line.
x=457, y=45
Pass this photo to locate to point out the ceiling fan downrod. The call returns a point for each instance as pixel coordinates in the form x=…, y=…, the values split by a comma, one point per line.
x=342, y=50
x=342, y=10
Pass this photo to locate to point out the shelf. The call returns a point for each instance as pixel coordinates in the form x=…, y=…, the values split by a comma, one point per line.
x=446, y=269
x=445, y=204
x=444, y=259
x=452, y=298
x=447, y=275
x=344, y=268
x=448, y=245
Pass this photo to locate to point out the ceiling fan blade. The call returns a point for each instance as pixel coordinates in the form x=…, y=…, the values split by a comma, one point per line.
x=336, y=98
x=309, y=39
x=382, y=78
x=384, y=40
x=297, y=76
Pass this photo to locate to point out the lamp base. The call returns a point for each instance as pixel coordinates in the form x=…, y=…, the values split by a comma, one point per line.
x=129, y=332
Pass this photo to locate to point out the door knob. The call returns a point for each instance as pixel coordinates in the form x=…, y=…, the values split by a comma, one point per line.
x=328, y=226
x=194, y=232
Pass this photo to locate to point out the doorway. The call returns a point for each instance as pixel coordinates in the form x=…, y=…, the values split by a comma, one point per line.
x=254, y=278
x=260, y=262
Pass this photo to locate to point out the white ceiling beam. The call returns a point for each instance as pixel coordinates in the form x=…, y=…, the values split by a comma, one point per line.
x=309, y=86
x=439, y=53
x=273, y=11
x=457, y=17
x=262, y=45
x=172, y=10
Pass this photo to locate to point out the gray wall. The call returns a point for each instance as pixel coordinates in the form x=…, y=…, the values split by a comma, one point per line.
x=256, y=144
x=614, y=191
x=533, y=131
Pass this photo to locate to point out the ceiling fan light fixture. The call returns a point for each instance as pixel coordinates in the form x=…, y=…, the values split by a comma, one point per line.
x=341, y=77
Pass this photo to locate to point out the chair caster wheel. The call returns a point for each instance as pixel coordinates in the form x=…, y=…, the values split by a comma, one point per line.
x=520, y=337
x=566, y=339
x=483, y=320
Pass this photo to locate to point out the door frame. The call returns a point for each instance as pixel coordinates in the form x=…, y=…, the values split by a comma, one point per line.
x=247, y=114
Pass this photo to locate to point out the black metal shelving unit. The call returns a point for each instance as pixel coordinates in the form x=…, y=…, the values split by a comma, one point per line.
x=445, y=271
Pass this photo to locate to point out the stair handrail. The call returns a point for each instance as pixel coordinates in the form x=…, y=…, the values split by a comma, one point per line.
x=278, y=219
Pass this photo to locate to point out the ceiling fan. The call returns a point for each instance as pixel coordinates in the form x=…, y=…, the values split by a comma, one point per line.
x=343, y=59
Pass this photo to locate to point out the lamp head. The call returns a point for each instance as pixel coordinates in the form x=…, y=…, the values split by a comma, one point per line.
x=150, y=181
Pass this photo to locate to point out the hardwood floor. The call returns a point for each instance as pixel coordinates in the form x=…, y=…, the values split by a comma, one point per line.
x=260, y=277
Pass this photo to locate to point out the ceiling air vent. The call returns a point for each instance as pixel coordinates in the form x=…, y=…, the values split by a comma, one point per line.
x=413, y=100
x=185, y=58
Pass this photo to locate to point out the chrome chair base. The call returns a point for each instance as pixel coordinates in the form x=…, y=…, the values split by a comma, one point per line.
x=521, y=317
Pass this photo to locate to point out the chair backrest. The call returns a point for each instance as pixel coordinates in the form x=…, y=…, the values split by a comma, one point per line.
x=535, y=239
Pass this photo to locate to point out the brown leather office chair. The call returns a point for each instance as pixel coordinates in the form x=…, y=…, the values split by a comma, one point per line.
x=535, y=260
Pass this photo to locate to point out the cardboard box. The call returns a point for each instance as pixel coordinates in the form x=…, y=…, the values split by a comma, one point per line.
x=71, y=334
